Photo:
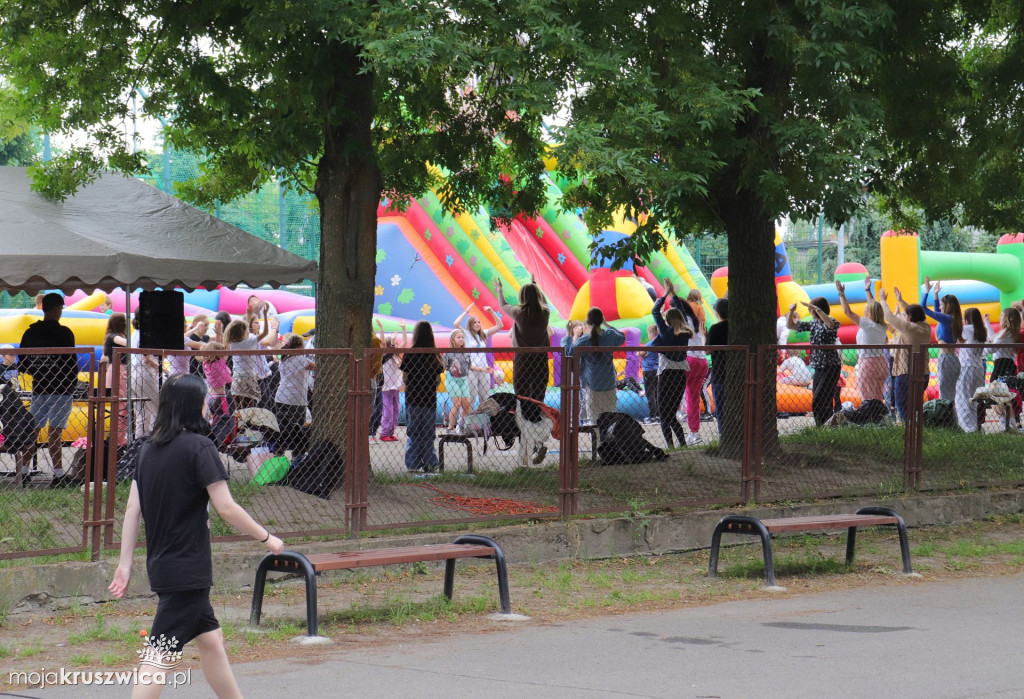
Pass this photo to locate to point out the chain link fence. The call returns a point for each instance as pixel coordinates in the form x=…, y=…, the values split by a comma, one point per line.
x=833, y=428
x=46, y=418
x=654, y=438
x=321, y=442
x=460, y=435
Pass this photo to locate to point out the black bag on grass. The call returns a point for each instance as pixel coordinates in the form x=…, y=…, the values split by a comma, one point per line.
x=503, y=424
x=939, y=413
x=319, y=471
x=623, y=442
x=869, y=412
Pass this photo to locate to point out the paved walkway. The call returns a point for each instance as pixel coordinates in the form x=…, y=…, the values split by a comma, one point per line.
x=933, y=641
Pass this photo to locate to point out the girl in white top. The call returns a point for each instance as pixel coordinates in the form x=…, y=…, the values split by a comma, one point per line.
x=479, y=379
x=1009, y=333
x=246, y=369
x=292, y=397
x=391, y=386
x=872, y=369
x=972, y=368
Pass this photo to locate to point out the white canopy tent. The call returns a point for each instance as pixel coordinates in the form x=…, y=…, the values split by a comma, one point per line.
x=119, y=232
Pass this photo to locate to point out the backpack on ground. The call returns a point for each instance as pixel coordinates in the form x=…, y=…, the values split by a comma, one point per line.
x=869, y=412
x=319, y=471
x=500, y=408
x=622, y=441
x=939, y=413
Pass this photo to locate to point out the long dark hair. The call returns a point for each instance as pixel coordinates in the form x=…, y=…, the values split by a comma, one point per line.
x=531, y=300
x=423, y=336
x=973, y=316
x=952, y=305
x=181, y=408
x=595, y=318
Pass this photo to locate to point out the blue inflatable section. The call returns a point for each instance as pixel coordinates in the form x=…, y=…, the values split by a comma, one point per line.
x=407, y=282
x=205, y=298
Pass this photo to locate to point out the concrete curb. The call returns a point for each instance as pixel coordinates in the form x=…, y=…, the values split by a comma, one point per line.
x=55, y=585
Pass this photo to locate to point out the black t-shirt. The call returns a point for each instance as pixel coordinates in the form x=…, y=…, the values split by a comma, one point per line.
x=718, y=334
x=172, y=482
x=51, y=373
x=108, y=346
x=422, y=377
x=193, y=363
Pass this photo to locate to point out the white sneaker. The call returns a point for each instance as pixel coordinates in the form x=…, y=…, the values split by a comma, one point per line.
x=693, y=439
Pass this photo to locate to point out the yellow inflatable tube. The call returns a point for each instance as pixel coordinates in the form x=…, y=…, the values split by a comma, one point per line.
x=88, y=331
x=90, y=302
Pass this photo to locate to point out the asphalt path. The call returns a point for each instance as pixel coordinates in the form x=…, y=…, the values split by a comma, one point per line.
x=943, y=640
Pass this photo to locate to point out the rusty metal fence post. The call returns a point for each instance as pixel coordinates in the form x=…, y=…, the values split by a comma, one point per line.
x=917, y=382
x=98, y=518
x=357, y=456
x=753, y=372
x=568, y=460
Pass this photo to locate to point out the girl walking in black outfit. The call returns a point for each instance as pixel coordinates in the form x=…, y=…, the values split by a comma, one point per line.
x=178, y=474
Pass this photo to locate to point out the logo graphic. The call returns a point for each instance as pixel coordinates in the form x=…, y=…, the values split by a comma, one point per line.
x=159, y=652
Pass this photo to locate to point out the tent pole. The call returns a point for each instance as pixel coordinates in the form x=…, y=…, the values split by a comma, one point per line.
x=130, y=423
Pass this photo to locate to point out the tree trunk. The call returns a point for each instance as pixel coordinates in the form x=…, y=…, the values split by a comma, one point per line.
x=752, y=311
x=348, y=190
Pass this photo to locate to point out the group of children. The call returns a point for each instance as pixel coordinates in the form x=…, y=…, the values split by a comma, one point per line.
x=671, y=377
x=883, y=371
x=234, y=382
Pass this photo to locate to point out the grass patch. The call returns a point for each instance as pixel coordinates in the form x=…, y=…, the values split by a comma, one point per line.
x=29, y=650
x=40, y=518
x=100, y=631
x=993, y=456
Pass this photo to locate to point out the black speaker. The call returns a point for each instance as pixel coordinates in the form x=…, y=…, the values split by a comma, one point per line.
x=161, y=319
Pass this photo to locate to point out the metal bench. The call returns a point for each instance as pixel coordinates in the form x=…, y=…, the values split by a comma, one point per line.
x=466, y=546
x=594, y=434
x=455, y=439
x=764, y=528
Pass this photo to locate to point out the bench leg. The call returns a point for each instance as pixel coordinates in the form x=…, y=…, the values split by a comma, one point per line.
x=469, y=457
x=257, y=591
x=851, y=544
x=440, y=456
x=716, y=540
x=901, y=528
x=501, y=568
x=748, y=525
x=271, y=562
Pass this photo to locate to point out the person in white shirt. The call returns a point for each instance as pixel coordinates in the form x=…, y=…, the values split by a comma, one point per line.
x=794, y=372
x=256, y=307
x=292, y=397
x=479, y=378
x=972, y=368
x=145, y=385
x=246, y=368
x=872, y=368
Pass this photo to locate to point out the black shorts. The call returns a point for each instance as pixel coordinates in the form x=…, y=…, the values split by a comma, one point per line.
x=183, y=615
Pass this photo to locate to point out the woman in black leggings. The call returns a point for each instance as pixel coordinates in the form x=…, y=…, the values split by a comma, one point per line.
x=672, y=366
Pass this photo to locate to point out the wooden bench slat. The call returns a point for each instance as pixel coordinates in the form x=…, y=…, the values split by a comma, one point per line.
x=393, y=556
x=813, y=522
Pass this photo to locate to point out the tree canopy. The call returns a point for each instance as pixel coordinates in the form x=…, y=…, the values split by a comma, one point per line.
x=725, y=116
x=349, y=99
